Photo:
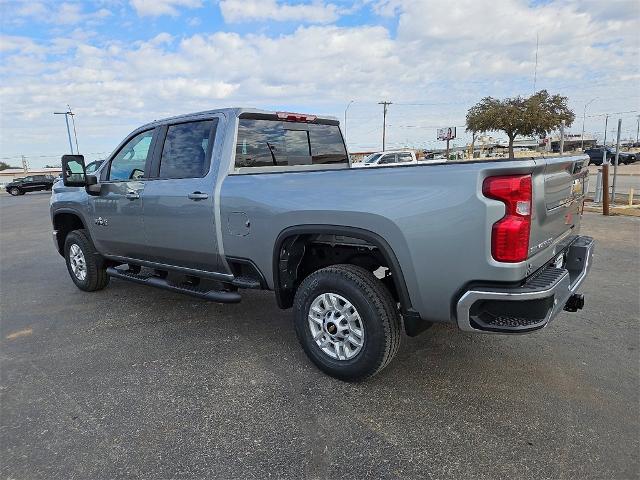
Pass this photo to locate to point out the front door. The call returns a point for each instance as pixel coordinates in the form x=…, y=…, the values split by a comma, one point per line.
x=179, y=215
x=29, y=184
x=116, y=213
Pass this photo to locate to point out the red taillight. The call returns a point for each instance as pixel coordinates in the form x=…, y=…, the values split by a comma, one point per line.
x=510, y=234
x=295, y=117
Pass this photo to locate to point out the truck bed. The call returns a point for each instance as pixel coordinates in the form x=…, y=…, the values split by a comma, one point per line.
x=434, y=218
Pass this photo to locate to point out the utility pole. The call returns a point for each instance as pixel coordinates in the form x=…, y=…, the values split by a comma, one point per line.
x=638, y=130
x=605, y=171
x=584, y=117
x=535, y=71
x=345, y=121
x=615, y=165
x=66, y=119
x=25, y=164
x=384, y=104
x=562, y=137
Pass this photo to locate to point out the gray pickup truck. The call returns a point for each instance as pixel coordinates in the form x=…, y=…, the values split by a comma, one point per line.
x=212, y=203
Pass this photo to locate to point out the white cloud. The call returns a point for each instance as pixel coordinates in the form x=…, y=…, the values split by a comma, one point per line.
x=155, y=8
x=19, y=12
x=72, y=13
x=237, y=11
x=443, y=58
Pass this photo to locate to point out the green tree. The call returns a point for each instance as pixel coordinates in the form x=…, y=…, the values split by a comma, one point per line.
x=4, y=166
x=538, y=114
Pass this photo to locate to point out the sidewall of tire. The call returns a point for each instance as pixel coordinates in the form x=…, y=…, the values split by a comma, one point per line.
x=371, y=356
x=96, y=278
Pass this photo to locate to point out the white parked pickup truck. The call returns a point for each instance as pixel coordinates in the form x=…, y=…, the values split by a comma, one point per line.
x=389, y=157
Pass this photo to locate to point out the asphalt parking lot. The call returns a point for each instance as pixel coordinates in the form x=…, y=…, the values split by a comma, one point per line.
x=142, y=383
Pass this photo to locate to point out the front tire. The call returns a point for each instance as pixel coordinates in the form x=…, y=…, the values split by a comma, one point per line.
x=14, y=191
x=85, y=265
x=347, y=322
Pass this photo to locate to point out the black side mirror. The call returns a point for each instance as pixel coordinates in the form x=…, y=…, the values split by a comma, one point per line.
x=73, y=171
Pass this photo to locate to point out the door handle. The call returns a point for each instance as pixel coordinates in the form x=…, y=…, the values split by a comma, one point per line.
x=132, y=195
x=198, y=196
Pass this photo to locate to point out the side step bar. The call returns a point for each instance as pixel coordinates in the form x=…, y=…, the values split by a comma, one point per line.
x=220, y=296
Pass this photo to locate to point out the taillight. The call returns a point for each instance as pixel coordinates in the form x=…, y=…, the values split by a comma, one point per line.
x=510, y=234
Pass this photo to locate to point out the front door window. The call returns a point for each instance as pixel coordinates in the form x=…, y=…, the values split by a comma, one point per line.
x=130, y=161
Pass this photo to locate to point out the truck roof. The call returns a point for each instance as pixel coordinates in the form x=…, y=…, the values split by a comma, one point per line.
x=231, y=111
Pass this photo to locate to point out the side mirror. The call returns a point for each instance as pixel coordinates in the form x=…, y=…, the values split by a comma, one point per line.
x=73, y=171
x=92, y=185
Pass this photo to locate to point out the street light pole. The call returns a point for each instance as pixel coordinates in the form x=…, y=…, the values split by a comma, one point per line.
x=584, y=117
x=345, y=121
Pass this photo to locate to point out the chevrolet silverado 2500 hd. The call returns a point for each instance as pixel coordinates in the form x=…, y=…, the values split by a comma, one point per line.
x=212, y=203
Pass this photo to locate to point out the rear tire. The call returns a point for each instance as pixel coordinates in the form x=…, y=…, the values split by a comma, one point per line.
x=85, y=265
x=356, y=302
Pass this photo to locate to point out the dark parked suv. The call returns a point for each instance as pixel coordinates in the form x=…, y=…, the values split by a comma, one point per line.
x=596, y=154
x=32, y=183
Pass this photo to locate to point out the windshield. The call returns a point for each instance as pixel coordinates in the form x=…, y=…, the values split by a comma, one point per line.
x=372, y=158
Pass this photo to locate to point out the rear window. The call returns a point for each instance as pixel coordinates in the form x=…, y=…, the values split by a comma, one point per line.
x=268, y=143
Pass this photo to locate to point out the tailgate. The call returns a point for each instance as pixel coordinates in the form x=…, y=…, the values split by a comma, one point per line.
x=559, y=187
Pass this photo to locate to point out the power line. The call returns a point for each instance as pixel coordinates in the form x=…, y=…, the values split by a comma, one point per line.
x=49, y=156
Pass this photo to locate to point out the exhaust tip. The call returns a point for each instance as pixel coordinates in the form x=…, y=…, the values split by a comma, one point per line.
x=575, y=303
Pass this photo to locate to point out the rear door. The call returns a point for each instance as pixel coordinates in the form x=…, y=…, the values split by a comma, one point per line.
x=405, y=157
x=388, y=159
x=117, y=211
x=559, y=188
x=179, y=200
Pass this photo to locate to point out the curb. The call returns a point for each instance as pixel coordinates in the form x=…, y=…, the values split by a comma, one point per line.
x=623, y=211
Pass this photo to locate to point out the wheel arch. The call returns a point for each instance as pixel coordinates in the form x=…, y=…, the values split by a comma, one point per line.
x=284, y=297
x=64, y=222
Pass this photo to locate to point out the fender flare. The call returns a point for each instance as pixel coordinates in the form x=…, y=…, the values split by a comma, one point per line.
x=72, y=211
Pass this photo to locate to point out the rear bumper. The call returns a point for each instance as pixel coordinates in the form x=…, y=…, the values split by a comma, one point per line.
x=532, y=305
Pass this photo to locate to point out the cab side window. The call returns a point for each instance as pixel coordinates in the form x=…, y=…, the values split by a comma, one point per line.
x=387, y=159
x=130, y=161
x=187, y=149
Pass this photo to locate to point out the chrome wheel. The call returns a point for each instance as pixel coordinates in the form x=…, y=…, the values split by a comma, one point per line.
x=14, y=191
x=335, y=326
x=77, y=262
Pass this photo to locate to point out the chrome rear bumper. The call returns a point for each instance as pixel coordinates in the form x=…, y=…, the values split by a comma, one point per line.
x=532, y=305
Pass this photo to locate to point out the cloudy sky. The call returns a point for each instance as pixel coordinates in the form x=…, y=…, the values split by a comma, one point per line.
x=121, y=63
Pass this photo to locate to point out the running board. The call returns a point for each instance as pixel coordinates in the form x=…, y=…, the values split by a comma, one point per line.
x=220, y=296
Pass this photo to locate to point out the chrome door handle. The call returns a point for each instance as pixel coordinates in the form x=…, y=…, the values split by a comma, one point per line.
x=132, y=195
x=198, y=196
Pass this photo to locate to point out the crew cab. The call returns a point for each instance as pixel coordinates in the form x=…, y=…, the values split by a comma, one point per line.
x=214, y=203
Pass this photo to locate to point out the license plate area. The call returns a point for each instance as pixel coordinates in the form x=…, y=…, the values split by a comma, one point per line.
x=559, y=261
